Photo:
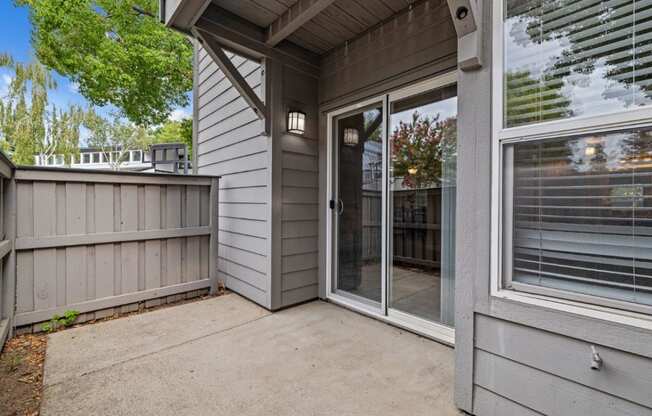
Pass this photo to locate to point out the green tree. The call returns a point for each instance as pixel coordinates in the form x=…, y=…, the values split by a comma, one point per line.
x=63, y=134
x=175, y=132
x=115, y=137
x=27, y=128
x=115, y=54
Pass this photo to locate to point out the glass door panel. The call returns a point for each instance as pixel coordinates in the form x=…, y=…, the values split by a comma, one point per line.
x=421, y=198
x=358, y=203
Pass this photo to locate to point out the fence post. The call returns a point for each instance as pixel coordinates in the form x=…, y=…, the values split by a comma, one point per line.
x=213, y=245
x=9, y=262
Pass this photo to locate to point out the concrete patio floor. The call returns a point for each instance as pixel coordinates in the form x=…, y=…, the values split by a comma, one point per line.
x=226, y=356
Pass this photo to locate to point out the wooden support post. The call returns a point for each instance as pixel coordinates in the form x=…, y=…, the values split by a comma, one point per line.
x=214, y=240
x=9, y=262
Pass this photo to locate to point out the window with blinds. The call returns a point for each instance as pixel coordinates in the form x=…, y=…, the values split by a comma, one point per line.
x=569, y=58
x=581, y=214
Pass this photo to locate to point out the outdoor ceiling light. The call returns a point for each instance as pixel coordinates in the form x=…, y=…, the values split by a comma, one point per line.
x=351, y=137
x=296, y=122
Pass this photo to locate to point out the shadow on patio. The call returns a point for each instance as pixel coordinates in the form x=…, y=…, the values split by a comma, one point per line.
x=228, y=356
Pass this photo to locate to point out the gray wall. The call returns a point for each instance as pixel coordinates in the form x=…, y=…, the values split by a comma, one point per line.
x=411, y=46
x=91, y=241
x=299, y=193
x=513, y=358
x=269, y=186
x=230, y=143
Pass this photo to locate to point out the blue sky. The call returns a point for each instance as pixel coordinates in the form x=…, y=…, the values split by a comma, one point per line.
x=15, y=31
x=15, y=40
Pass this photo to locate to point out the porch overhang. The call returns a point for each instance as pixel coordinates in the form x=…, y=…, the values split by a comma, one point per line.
x=307, y=30
x=181, y=14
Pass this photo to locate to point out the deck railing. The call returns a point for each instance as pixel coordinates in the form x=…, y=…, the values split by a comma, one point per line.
x=91, y=241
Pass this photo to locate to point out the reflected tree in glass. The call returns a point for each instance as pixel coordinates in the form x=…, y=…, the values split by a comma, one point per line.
x=418, y=148
x=568, y=58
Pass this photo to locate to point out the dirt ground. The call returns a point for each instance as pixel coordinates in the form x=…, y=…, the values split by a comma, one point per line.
x=21, y=375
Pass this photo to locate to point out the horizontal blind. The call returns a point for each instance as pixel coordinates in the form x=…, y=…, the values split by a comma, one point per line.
x=575, y=57
x=582, y=215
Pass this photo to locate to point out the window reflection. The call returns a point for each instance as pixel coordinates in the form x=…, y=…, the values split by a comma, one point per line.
x=422, y=146
x=568, y=58
x=360, y=156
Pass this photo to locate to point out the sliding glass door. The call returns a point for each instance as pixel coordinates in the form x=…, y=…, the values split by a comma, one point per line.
x=358, y=205
x=422, y=156
x=393, y=189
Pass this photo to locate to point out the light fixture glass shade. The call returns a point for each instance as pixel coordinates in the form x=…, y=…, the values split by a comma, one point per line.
x=296, y=122
x=351, y=137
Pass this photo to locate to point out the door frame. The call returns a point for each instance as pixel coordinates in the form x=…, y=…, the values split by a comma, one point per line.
x=331, y=224
x=433, y=330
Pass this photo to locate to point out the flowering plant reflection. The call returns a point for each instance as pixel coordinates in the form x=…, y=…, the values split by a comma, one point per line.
x=418, y=148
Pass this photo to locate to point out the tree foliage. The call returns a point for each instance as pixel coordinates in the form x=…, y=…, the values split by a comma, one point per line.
x=175, y=132
x=115, y=138
x=419, y=148
x=27, y=127
x=115, y=54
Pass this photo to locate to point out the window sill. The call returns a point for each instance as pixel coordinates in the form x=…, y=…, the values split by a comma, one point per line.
x=634, y=319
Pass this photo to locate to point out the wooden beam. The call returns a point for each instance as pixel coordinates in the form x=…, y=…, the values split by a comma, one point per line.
x=295, y=17
x=229, y=70
x=247, y=40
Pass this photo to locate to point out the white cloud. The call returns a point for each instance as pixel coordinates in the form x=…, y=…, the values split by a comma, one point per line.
x=73, y=87
x=179, y=114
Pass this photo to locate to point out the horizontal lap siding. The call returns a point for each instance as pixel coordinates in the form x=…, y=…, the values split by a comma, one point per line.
x=67, y=274
x=550, y=374
x=230, y=144
x=413, y=45
x=299, y=194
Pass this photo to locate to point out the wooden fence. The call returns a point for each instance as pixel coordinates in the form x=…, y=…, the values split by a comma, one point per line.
x=91, y=241
x=7, y=259
x=416, y=227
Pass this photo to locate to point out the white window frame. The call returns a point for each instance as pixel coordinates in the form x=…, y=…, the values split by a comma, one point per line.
x=586, y=305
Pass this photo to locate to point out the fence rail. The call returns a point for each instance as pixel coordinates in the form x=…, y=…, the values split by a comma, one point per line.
x=91, y=241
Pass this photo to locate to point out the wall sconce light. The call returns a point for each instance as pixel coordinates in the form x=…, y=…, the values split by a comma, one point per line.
x=351, y=137
x=412, y=170
x=589, y=151
x=296, y=122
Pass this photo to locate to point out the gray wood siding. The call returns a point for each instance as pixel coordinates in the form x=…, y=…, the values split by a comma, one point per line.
x=299, y=194
x=89, y=242
x=555, y=371
x=514, y=358
x=415, y=44
x=230, y=144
